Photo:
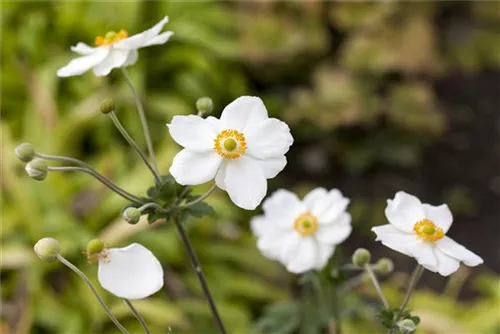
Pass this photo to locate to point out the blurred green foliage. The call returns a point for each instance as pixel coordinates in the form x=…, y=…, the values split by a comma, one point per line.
x=328, y=69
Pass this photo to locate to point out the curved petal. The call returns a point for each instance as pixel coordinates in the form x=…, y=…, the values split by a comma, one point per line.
x=116, y=58
x=447, y=265
x=138, y=40
x=327, y=206
x=457, y=251
x=306, y=256
x=243, y=111
x=192, y=168
x=267, y=139
x=132, y=58
x=259, y=225
x=132, y=272
x=245, y=183
x=271, y=166
x=423, y=252
x=336, y=232
x=81, y=65
x=83, y=49
x=277, y=243
x=313, y=197
x=193, y=133
x=324, y=254
x=160, y=39
x=221, y=176
x=283, y=207
x=440, y=215
x=395, y=239
x=404, y=211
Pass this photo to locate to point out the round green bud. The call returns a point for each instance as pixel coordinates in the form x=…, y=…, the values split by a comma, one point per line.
x=204, y=105
x=37, y=169
x=406, y=326
x=107, y=106
x=47, y=249
x=384, y=266
x=95, y=246
x=361, y=257
x=132, y=215
x=25, y=152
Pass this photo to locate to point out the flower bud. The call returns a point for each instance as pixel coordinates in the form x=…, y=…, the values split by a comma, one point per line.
x=406, y=326
x=132, y=215
x=94, y=247
x=37, y=169
x=204, y=105
x=47, y=249
x=107, y=106
x=25, y=152
x=361, y=257
x=384, y=266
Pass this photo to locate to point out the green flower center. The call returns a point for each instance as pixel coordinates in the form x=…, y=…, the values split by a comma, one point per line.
x=429, y=229
x=230, y=144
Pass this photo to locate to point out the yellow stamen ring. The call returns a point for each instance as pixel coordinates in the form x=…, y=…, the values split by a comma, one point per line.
x=111, y=37
x=306, y=224
x=230, y=144
x=428, y=231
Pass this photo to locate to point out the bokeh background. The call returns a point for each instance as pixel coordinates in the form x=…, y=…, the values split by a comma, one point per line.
x=380, y=97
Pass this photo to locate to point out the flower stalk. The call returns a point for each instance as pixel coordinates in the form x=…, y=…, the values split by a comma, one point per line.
x=138, y=316
x=376, y=284
x=417, y=273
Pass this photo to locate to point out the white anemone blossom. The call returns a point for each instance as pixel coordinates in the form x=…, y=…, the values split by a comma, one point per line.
x=419, y=230
x=302, y=235
x=113, y=50
x=131, y=272
x=241, y=150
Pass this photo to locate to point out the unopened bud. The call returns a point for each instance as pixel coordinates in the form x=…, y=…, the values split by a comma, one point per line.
x=406, y=326
x=204, y=105
x=47, y=249
x=132, y=215
x=384, y=266
x=25, y=152
x=361, y=257
x=94, y=247
x=107, y=106
x=37, y=169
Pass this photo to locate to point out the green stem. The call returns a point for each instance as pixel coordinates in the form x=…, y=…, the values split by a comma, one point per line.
x=89, y=284
x=142, y=116
x=199, y=199
x=370, y=272
x=138, y=316
x=325, y=304
x=132, y=143
x=417, y=272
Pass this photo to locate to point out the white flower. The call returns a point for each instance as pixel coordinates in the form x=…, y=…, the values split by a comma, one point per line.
x=132, y=272
x=241, y=150
x=418, y=230
x=113, y=51
x=302, y=234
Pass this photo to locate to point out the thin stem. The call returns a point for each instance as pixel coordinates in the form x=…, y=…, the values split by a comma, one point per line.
x=152, y=205
x=413, y=283
x=132, y=143
x=370, y=272
x=323, y=299
x=199, y=199
x=104, y=306
x=138, y=316
x=106, y=182
x=353, y=282
x=142, y=116
x=199, y=273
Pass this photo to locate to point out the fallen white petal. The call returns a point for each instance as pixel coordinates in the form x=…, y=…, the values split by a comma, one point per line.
x=192, y=168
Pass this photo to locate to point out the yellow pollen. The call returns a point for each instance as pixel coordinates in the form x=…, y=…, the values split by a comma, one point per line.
x=427, y=230
x=230, y=144
x=306, y=224
x=111, y=37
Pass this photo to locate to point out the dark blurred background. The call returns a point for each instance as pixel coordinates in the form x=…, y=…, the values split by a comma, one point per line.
x=380, y=97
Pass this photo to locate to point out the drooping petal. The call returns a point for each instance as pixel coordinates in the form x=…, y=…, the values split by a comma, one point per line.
x=81, y=65
x=447, y=265
x=116, y=58
x=395, y=239
x=243, y=111
x=336, y=232
x=271, y=166
x=83, y=49
x=221, y=176
x=324, y=254
x=404, y=211
x=440, y=215
x=192, y=168
x=139, y=40
x=283, y=207
x=193, y=133
x=245, y=183
x=423, y=252
x=132, y=272
x=459, y=252
x=305, y=258
x=132, y=58
x=267, y=139
x=160, y=39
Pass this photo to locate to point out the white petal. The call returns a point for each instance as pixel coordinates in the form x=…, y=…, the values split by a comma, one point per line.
x=192, y=168
x=243, y=111
x=245, y=183
x=221, y=176
x=260, y=225
x=193, y=133
x=423, y=252
x=395, y=239
x=132, y=272
x=327, y=206
x=132, y=58
x=306, y=256
x=267, y=139
x=160, y=39
x=447, y=265
x=81, y=65
x=83, y=49
x=324, y=254
x=116, y=58
x=336, y=232
x=283, y=207
x=404, y=211
x=459, y=252
x=271, y=166
x=313, y=197
x=276, y=243
x=139, y=40
x=440, y=215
